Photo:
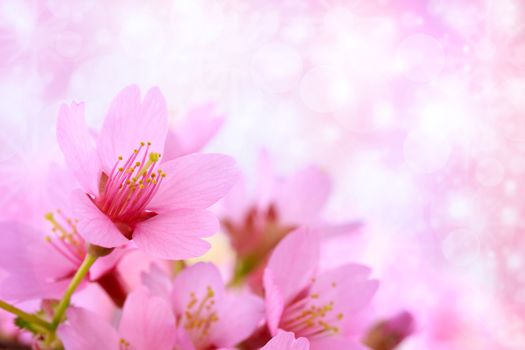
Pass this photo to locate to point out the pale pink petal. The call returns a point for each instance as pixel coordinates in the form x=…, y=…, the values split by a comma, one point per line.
x=294, y=262
x=94, y=225
x=129, y=122
x=183, y=340
x=78, y=146
x=24, y=252
x=195, y=181
x=274, y=302
x=196, y=279
x=302, y=196
x=266, y=180
x=286, y=341
x=239, y=316
x=18, y=288
x=348, y=287
x=176, y=234
x=335, y=343
x=236, y=202
x=147, y=322
x=106, y=263
x=85, y=330
x=157, y=281
x=199, y=126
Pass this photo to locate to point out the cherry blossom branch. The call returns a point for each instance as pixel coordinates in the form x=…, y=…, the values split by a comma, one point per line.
x=83, y=270
x=24, y=315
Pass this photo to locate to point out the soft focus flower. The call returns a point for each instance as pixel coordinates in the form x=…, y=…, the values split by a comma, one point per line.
x=128, y=193
x=323, y=307
x=286, y=341
x=389, y=333
x=199, y=125
x=208, y=315
x=41, y=267
x=146, y=323
x=281, y=204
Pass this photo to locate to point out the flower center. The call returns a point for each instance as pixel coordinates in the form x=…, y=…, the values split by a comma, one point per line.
x=123, y=344
x=200, y=315
x=310, y=317
x=127, y=190
x=65, y=238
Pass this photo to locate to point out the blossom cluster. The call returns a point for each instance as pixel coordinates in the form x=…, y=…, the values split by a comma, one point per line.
x=136, y=188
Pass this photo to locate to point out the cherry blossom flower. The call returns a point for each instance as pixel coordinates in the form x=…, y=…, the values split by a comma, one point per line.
x=281, y=204
x=128, y=193
x=208, y=315
x=41, y=267
x=322, y=307
x=286, y=341
x=146, y=323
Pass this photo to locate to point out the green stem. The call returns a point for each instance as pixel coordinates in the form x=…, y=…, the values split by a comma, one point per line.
x=24, y=315
x=82, y=271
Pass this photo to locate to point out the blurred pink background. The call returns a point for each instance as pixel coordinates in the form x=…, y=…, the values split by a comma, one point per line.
x=414, y=107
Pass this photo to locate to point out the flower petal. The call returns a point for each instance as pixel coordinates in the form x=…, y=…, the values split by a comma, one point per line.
x=176, y=234
x=32, y=264
x=286, y=341
x=302, y=196
x=129, y=122
x=147, y=322
x=94, y=225
x=196, y=279
x=199, y=126
x=274, y=302
x=195, y=181
x=18, y=288
x=335, y=343
x=239, y=316
x=294, y=262
x=78, y=145
x=348, y=287
x=85, y=330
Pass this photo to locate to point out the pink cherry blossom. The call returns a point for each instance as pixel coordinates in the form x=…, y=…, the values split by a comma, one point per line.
x=280, y=204
x=322, y=307
x=208, y=315
x=286, y=341
x=146, y=323
x=41, y=267
x=128, y=193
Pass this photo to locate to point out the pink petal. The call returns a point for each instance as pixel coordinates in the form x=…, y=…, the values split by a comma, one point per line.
x=195, y=181
x=106, y=263
x=348, y=287
x=335, y=343
x=239, y=316
x=147, y=322
x=302, y=196
x=94, y=225
x=18, y=288
x=199, y=126
x=286, y=341
x=24, y=252
x=294, y=262
x=274, y=302
x=85, y=330
x=196, y=279
x=266, y=180
x=158, y=281
x=176, y=234
x=129, y=122
x=78, y=145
